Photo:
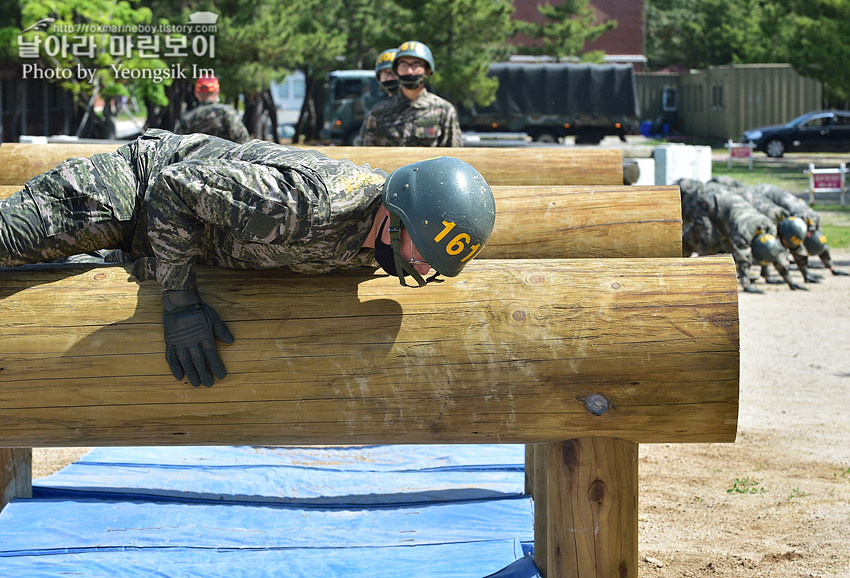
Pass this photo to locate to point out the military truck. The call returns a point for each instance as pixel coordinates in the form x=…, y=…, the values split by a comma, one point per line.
x=549, y=101
x=348, y=96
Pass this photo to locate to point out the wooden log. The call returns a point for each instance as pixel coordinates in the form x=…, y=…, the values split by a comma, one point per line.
x=592, y=508
x=516, y=351
x=15, y=474
x=499, y=166
x=579, y=222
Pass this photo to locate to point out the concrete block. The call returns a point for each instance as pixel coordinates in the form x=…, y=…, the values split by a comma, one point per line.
x=677, y=161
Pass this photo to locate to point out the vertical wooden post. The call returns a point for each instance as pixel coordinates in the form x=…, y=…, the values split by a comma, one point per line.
x=592, y=509
x=540, y=492
x=15, y=474
x=529, y=469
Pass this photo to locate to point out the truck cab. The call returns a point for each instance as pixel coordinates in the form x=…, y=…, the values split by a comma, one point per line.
x=349, y=95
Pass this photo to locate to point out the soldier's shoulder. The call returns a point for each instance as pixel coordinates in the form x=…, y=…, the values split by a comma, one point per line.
x=437, y=101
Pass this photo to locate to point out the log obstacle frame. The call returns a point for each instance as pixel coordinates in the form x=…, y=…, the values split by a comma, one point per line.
x=585, y=483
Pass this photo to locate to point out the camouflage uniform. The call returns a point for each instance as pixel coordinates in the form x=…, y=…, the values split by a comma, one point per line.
x=428, y=121
x=716, y=219
x=699, y=234
x=170, y=202
x=215, y=119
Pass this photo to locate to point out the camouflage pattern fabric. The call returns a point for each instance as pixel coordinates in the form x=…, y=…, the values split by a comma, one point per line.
x=428, y=121
x=795, y=206
x=170, y=202
x=216, y=119
x=736, y=218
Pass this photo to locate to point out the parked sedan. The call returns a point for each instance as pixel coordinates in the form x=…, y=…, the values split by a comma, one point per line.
x=823, y=130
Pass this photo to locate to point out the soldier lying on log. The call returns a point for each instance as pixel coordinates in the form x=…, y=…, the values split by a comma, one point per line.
x=170, y=202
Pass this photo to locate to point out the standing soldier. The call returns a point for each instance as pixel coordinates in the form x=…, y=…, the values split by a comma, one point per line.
x=413, y=116
x=212, y=117
x=174, y=202
x=384, y=71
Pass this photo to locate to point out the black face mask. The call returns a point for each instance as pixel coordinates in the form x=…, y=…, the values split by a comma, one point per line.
x=390, y=85
x=384, y=253
x=411, y=80
x=386, y=258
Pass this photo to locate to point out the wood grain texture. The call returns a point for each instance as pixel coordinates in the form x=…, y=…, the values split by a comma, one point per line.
x=499, y=166
x=507, y=352
x=592, y=509
x=574, y=222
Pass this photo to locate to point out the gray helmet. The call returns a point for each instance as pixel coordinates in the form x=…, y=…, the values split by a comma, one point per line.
x=385, y=60
x=766, y=249
x=792, y=232
x=448, y=210
x=416, y=50
x=815, y=243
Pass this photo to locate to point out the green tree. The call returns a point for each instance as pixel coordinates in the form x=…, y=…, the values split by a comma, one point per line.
x=87, y=41
x=567, y=28
x=818, y=47
x=465, y=36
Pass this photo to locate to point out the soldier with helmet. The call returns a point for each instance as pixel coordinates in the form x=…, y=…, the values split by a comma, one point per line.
x=172, y=202
x=798, y=225
x=815, y=241
x=384, y=71
x=747, y=233
x=211, y=116
x=412, y=116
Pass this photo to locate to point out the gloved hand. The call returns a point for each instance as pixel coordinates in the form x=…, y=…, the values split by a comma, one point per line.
x=191, y=328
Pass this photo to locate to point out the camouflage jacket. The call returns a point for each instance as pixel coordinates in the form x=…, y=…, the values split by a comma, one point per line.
x=795, y=206
x=214, y=119
x=201, y=199
x=739, y=222
x=428, y=121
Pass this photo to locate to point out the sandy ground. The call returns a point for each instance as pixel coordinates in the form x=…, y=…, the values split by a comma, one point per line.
x=776, y=503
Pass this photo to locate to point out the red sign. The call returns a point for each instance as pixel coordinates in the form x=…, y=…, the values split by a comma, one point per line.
x=740, y=152
x=826, y=180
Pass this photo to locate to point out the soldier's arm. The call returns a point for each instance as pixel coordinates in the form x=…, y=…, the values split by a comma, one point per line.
x=454, y=135
x=786, y=277
x=801, y=259
x=368, y=131
x=237, y=130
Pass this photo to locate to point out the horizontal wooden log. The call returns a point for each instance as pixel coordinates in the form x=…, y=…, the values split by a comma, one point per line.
x=499, y=166
x=576, y=222
x=516, y=351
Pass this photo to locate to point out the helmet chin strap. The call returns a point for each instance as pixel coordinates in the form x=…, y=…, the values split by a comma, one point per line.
x=401, y=266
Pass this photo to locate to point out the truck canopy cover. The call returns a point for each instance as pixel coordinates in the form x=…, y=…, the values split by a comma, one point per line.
x=559, y=88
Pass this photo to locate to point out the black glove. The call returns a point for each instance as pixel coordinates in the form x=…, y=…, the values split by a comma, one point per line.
x=191, y=328
x=840, y=272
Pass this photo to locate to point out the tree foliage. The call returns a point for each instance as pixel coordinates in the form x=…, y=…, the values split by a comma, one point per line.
x=567, y=27
x=808, y=34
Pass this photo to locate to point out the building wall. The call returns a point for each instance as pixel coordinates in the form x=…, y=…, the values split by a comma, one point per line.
x=722, y=102
x=624, y=44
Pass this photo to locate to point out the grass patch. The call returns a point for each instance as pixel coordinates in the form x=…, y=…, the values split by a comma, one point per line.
x=788, y=176
x=746, y=486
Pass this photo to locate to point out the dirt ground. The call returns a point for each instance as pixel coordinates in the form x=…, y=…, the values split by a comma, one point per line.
x=776, y=503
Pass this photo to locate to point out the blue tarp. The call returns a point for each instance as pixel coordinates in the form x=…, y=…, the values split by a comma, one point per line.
x=327, y=477
x=200, y=511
